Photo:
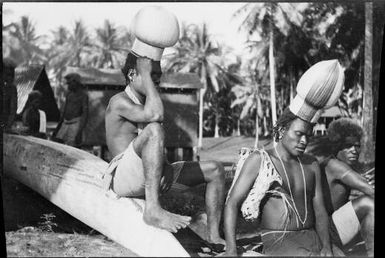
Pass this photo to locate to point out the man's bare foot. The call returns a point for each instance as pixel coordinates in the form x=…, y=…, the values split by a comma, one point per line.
x=215, y=243
x=216, y=240
x=163, y=219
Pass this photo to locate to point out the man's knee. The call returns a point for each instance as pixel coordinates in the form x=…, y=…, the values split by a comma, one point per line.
x=154, y=130
x=216, y=170
x=364, y=205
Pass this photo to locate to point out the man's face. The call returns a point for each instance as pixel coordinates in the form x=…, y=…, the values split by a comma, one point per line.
x=71, y=85
x=36, y=102
x=136, y=83
x=296, y=137
x=350, y=151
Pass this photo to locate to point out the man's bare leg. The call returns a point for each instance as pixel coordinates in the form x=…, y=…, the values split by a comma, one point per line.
x=149, y=146
x=364, y=208
x=212, y=173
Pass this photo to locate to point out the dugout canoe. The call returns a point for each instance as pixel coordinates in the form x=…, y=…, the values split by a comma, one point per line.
x=71, y=179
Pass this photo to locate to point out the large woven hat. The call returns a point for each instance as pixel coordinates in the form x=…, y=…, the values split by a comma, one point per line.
x=319, y=87
x=155, y=28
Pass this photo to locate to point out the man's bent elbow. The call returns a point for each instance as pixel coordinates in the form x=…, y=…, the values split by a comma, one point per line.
x=156, y=117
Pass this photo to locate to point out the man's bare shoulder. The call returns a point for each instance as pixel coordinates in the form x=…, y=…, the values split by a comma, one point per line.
x=120, y=102
x=336, y=166
x=254, y=160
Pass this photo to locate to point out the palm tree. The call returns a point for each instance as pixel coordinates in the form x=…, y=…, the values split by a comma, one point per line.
x=110, y=49
x=252, y=93
x=197, y=52
x=23, y=43
x=68, y=48
x=269, y=20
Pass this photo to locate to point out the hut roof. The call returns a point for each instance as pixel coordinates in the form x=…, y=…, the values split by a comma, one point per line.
x=34, y=77
x=114, y=77
x=180, y=80
x=333, y=111
x=25, y=80
x=93, y=76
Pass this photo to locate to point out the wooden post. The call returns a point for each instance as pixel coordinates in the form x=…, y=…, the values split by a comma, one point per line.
x=367, y=116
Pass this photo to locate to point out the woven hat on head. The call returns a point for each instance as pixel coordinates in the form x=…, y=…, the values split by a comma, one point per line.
x=319, y=87
x=155, y=28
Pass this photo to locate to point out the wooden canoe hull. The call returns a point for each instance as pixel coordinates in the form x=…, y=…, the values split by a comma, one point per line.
x=71, y=179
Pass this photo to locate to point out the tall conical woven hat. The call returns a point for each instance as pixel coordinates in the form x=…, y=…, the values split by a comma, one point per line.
x=319, y=87
x=155, y=28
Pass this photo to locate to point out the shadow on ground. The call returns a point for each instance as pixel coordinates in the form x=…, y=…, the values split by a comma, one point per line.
x=35, y=227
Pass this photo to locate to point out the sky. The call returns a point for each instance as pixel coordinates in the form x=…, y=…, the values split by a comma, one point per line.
x=48, y=16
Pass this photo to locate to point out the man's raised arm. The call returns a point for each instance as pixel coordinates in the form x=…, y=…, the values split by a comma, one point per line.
x=152, y=110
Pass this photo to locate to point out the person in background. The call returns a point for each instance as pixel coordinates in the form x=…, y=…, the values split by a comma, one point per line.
x=339, y=177
x=9, y=95
x=33, y=117
x=74, y=118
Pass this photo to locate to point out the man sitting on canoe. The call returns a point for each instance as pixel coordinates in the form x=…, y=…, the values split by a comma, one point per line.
x=347, y=218
x=135, y=137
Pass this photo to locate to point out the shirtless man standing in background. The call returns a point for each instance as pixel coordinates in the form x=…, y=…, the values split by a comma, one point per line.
x=75, y=114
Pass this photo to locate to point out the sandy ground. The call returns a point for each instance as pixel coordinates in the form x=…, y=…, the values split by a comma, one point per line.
x=35, y=227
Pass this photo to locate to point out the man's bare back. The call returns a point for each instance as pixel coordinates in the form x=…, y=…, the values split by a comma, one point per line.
x=336, y=194
x=120, y=132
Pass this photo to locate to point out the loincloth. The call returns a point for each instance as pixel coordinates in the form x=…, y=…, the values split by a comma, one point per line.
x=68, y=131
x=125, y=174
x=291, y=243
x=344, y=225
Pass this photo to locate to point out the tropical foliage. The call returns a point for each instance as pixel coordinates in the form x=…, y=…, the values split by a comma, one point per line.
x=242, y=92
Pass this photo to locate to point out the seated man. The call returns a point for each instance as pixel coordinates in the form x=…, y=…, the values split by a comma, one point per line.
x=34, y=118
x=348, y=218
x=293, y=218
x=135, y=137
x=280, y=188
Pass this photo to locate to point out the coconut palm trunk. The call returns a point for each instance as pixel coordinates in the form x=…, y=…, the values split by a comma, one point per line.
x=271, y=66
x=256, y=122
x=367, y=116
x=201, y=95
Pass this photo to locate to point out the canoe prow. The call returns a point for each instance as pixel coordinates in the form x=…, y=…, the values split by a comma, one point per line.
x=72, y=179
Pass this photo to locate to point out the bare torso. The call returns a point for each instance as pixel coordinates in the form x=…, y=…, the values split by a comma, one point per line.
x=74, y=104
x=273, y=210
x=336, y=194
x=120, y=132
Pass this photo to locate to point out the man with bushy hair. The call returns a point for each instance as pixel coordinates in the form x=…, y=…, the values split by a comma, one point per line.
x=347, y=218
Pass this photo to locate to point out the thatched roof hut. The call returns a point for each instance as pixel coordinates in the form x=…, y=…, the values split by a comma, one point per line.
x=34, y=77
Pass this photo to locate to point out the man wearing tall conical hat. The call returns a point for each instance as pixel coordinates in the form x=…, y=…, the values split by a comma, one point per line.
x=135, y=134
x=280, y=187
